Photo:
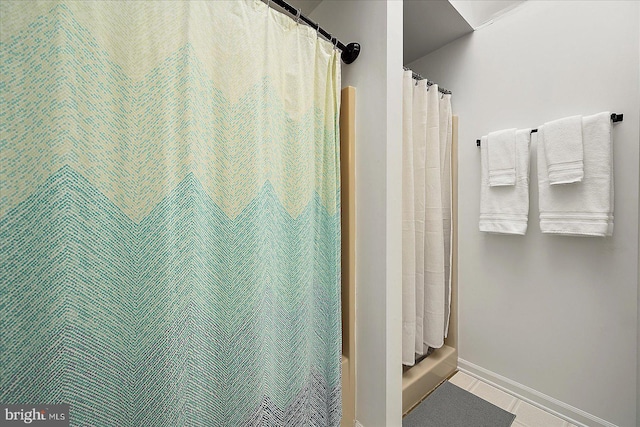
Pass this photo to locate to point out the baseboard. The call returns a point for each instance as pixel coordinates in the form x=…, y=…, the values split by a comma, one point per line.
x=560, y=409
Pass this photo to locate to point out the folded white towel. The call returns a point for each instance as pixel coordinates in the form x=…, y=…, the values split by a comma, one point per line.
x=502, y=157
x=584, y=208
x=563, y=149
x=505, y=209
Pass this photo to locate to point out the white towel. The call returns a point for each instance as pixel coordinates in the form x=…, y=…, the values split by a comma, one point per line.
x=583, y=208
x=563, y=149
x=505, y=209
x=502, y=157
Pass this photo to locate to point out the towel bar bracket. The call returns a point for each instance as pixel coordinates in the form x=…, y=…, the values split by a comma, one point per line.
x=615, y=118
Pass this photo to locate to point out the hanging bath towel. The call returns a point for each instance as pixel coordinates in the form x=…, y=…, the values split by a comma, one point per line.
x=505, y=209
x=581, y=208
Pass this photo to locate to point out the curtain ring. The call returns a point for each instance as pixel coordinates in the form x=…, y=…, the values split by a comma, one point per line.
x=298, y=17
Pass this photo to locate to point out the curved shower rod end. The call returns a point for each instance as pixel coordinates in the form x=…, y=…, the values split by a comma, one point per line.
x=350, y=53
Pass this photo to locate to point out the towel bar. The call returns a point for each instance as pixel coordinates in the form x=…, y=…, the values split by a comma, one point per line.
x=615, y=118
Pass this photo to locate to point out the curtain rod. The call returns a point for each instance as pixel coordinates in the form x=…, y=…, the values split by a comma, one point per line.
x=350, y=52
x=417, y=76
x=614, y=118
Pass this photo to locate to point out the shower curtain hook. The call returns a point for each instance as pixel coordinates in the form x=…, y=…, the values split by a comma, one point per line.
x=317, y=30
x=335, y=43
x=268, y=4
x=298, y=17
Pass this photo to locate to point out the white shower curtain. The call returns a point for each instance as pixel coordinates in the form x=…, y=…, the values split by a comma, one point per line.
x=426, y=218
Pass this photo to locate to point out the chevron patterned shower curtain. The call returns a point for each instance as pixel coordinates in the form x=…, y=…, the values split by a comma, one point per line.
x=169, y=223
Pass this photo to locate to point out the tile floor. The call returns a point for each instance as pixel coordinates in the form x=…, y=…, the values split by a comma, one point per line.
x=526, y=415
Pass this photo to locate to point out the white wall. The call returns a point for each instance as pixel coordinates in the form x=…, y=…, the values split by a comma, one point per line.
x=377, y=76
x=638, y=353
x=558, y=315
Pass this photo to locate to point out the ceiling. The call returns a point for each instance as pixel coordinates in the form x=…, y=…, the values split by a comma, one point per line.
x=431, y=24
x=477, y=13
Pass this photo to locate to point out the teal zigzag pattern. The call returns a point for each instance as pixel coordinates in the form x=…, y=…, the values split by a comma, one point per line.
x=188, y=318
x=65, y=102
x=170, y=257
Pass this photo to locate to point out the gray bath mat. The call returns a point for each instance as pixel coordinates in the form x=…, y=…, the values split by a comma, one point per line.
x=451, y=406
